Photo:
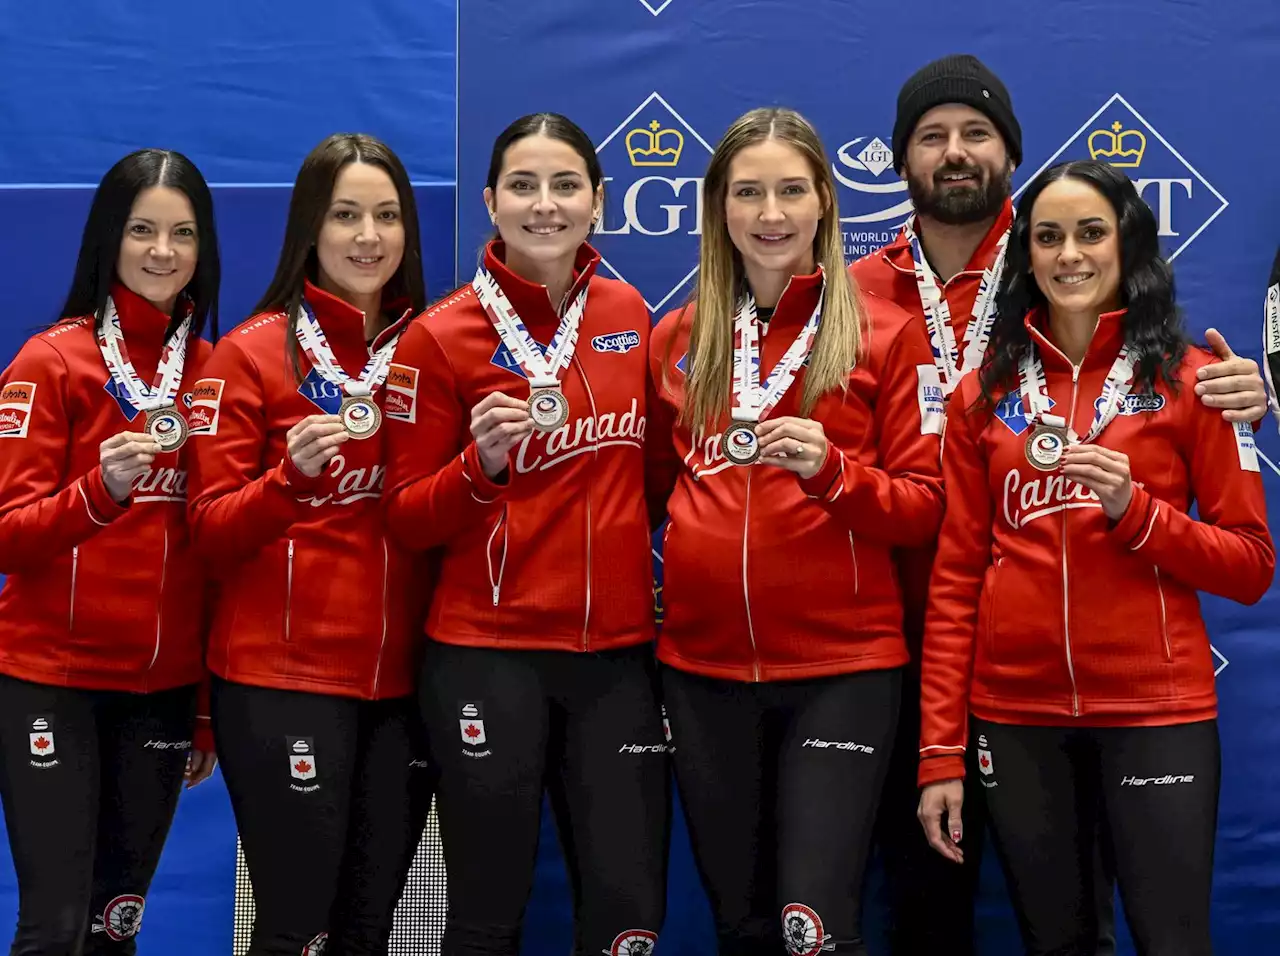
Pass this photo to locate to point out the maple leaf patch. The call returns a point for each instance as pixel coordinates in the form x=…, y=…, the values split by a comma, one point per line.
x=41, y=735
x=302, y=757
x=471, y=723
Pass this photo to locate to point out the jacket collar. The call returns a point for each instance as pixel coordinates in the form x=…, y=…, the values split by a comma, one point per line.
x=898, y=252
x=143, y=327
x=1107, y=340
x=798, y=301
x=343, y=323
x=139, y=319
x=531, y=300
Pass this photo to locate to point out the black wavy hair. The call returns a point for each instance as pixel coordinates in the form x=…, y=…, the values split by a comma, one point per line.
x=1153, y=327
x=104, y=231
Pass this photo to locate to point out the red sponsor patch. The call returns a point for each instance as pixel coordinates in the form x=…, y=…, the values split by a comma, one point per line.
x=403, y=376
x=400, y=400
x=16, y=402
x=206, y=399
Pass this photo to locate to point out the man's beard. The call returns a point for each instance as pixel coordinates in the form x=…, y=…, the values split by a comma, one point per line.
x=960, y=206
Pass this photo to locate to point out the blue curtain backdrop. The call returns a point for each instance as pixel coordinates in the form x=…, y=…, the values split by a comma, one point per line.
x=1184, y=93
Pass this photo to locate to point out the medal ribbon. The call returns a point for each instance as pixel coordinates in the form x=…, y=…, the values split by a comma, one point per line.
x=317, y=349
x=542, y=371
x=1271, y=341
x=115, y=354
x=1035, y=393
x=937, y=313
x=751, y=402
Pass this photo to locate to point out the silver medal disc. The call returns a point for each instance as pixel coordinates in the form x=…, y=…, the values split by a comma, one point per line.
x=360, y=416
x=168, y=427
x=1045, y=447
x=740, y=444
x=548, y=408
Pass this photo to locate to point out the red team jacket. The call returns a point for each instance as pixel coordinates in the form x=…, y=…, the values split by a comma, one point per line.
x=312, y=596
x=557, y=557
x=770, y=577
x=98, y=595
x=889, y=272
x=1042, y=611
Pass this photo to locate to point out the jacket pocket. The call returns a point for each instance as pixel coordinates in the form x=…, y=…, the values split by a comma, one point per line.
x=1164, y=618
x=288, y=593
x=992, y=596
x=853, y=556
x=71, y=604
x=496, y=554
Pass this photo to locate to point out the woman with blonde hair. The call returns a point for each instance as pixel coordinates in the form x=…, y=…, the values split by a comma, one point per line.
x=794, y=443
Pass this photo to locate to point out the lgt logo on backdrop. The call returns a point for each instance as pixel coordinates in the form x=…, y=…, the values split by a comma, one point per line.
x=874, y=194
x=655, y=6
x=1183, y=200
x=654, y=163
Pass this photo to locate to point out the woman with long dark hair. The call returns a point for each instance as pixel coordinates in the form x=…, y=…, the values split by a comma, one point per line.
x=1064, y=634
x=101, y=624
x=522, y=461
x=797, y=421
x=314, y=636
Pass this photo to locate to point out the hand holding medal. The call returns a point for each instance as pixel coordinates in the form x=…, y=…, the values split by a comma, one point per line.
x=1053, y=441
x=1047, y=442
x=123, y=458
x=498, y=424
x=796, y=444
x=547, y=406
x=743, y=441
x=164, y=425
x=1103, y=471
x=359, y=414
x=314, y=441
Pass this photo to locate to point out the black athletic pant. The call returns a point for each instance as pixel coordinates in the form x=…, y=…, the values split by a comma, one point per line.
x=330, y=795
x=90, y=781
x=931, y=899
x=587, y=727
x=780, y=783
x=1156, y=790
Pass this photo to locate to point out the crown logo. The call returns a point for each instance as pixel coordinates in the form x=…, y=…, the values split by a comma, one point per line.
x=655, y=146
x=1122, y=150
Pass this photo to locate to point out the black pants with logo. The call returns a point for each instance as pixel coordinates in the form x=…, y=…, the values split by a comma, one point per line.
x=90, y=781
x=1153, y=794
x=780, y=784
x=504, y=725
x=931, y=899
x=331, y=795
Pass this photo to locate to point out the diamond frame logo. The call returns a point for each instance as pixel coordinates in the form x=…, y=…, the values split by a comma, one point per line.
x=690, y=139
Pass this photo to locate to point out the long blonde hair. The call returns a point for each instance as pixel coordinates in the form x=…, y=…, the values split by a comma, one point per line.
x=722, y=280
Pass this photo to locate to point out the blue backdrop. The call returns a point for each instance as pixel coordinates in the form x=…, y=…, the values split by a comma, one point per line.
x=1184, y=96
x=246, y=89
